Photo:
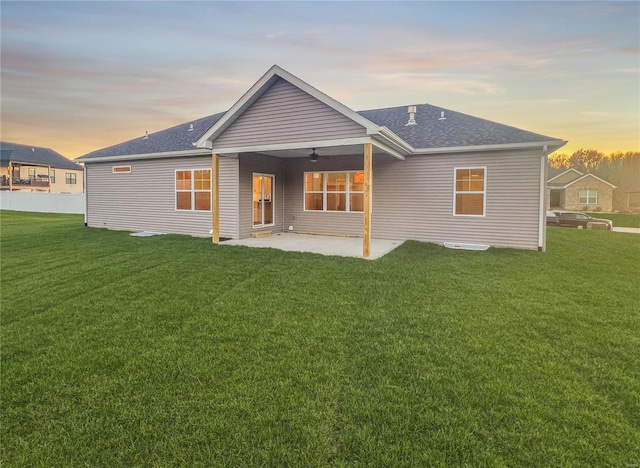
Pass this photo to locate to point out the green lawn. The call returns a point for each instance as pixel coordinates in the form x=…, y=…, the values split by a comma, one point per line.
x=620, y=219
x=171, y=351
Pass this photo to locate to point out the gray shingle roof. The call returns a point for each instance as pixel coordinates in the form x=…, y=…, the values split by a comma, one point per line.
x=36, y=155
x=177, y=138
x=553, y=172
x=456, y=129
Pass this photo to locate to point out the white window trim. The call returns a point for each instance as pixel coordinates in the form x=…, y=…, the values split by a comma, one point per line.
x=324, y=192
x=588, y=196
x=483, y=192
x=113, y=170
x=192, y=190
x=273, y=201
x=75, y=178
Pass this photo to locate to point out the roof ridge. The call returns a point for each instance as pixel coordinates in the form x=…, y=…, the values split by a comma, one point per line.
x=180, y=124
x=3, y=142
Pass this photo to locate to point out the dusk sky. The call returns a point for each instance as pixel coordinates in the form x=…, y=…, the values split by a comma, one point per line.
x=79, y=76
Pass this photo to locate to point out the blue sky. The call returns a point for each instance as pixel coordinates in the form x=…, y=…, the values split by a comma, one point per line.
x=78, y=76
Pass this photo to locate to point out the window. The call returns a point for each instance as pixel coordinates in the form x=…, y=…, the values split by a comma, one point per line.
x=69, y=178
x=334, y=191
x=588, y=197
x=469, y=191
x=52, y=176
x=32, y=173
x=121, y=169
x=193, y=190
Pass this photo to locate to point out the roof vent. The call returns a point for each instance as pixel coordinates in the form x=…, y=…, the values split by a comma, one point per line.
x=146, y=135
x=442, y=117
x=412, y=114
x=190, y=128
x=33, y=150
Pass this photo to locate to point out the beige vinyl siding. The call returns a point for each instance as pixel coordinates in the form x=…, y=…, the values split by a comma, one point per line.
x=321, y=222
x=286, y=114
x=61, y=186
x=251, y=163
x=413, y=199
x=145, y=198
x=229, y=197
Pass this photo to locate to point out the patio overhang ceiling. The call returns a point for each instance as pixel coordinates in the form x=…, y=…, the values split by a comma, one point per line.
x=17, y=163
x=348, y=147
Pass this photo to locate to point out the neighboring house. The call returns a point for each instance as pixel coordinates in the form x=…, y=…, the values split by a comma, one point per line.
x=35, y=169
x=287, y=157
x=573, y=190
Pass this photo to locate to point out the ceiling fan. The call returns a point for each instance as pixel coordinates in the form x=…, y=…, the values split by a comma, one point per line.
x=313, y=157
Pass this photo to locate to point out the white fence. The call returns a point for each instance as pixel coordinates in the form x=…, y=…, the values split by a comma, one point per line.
x=72, y=203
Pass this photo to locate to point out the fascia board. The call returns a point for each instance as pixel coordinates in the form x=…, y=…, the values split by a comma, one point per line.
x=396, y=140
x=388, y=149
x=247, y=98
x=126, y=157
x=589, y=175
x=506, y=146
x=262, y=85
x=322, y=97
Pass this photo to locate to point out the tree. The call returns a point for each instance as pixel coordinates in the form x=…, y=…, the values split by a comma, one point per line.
x=583, y=160
x=559, y=160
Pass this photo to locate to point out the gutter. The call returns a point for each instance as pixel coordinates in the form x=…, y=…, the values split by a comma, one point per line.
x=126, y=157
x=395, y=140
x=504, y=146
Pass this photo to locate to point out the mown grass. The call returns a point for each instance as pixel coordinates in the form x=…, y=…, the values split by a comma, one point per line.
x=170, y=351
x=620, y=219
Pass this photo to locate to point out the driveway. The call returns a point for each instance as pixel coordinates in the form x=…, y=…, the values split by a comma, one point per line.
x=626, y=229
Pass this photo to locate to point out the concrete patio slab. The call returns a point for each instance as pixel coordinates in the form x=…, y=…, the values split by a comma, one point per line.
x=324, y=245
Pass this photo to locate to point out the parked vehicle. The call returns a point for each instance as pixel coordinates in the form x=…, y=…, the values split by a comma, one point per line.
x=552, y=219
x=582, y=220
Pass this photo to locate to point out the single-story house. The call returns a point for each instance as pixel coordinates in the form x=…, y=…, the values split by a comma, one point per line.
x=572, y=190
x=288, y=158
x=36, y=169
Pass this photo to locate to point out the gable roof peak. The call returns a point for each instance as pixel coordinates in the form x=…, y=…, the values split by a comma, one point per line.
x=261, y=86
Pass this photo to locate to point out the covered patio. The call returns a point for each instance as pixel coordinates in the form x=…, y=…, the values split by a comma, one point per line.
x=283, y=131
x=324, y=245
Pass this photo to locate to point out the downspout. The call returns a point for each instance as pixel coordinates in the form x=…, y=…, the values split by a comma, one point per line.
x=542, y=218
x=84, y=189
